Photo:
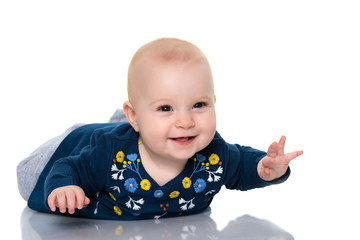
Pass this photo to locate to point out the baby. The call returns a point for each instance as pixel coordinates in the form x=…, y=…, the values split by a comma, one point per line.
x=167, y=160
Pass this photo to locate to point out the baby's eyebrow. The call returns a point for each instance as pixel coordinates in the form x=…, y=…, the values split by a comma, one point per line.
x=160, y=100
x=205, y=98
x=170, y=101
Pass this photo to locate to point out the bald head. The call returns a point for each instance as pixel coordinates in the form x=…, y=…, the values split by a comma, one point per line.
x=158, y=52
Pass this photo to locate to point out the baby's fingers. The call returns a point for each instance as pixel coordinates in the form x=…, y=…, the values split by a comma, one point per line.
x=292, y=155
x=70, y=201
x=60, y=201
x=52, y=202
x=273, y=150
x=268, y=162
x=81, y=199
x=281, y=145
x=67, y=198
x=265, y=168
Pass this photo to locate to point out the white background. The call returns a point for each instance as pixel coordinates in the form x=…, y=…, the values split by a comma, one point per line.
x=280, y=67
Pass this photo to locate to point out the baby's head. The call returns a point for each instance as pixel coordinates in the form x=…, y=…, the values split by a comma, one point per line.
x=171, y=98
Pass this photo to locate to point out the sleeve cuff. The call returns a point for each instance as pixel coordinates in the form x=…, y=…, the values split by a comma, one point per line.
x=279, y=180
x=258, y=182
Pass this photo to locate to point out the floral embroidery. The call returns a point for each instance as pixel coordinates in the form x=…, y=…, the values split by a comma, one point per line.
x=131, y=185
x=206, y=165
x=132, y=157
x=117, y=210
x=96, y=207
x=187, y=204
x=214, y=159
x=120, y=156
x=200, y=158
x=199, y=164
x=164, y=207
x=174, y=194
x=213, y=176
x=186, y=182
x=123, y=163
x=158, y=193
x=199, y=185
x=115, y=188
x=133, y=203
x=210, y=192
x=145, y=184
x=112, y=197
x=119, y=173
x=133, y=163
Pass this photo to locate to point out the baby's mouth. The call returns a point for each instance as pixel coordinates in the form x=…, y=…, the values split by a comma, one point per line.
x=183, y=140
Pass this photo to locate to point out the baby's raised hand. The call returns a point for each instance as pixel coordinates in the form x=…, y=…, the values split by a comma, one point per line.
x=68, y=197
x=275, y=164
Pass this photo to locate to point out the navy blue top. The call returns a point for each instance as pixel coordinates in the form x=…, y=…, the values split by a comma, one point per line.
x=104, y=160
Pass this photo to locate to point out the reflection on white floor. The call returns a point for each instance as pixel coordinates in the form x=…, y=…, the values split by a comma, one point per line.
x=36, y=225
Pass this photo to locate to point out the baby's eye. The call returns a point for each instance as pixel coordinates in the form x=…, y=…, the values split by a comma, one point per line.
x=165, y=108
x=199, y=105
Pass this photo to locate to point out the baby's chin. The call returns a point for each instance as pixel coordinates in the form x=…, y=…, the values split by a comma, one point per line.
x=185, y=156
x=182, y=156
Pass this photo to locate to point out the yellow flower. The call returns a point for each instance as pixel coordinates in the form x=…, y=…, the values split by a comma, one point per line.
x=117, y=210
x=186, y=182
x=214, y=159
x=174, y=194
x=120, y=156
x=145, y=184
x=112, y=196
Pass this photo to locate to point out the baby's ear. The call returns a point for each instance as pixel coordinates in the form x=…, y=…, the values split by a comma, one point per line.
x=130, y=115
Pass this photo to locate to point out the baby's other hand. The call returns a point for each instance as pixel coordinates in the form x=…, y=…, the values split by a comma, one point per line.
x=68, y=197
x=276, y=163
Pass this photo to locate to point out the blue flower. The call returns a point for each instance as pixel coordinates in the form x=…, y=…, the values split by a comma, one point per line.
x=131, y=185
x=158, y=193
x=132, y=157
x=199, y=185
x=200, y=157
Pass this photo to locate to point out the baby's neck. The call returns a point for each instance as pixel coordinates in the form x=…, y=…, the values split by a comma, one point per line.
x=161, y=170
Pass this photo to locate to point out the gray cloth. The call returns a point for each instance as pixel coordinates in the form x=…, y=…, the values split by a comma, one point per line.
x=118, y=116
x=29, y=169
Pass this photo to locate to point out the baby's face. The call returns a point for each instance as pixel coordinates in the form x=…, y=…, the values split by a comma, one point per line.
x=175, y=108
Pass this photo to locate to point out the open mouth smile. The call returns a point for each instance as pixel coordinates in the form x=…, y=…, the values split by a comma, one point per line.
x=183, y=140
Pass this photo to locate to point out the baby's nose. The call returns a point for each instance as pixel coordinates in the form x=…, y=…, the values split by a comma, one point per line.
x=185, y=121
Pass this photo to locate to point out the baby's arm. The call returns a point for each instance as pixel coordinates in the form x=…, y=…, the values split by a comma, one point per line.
x=68, y=197
x=276, y=163
x=72, y=176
